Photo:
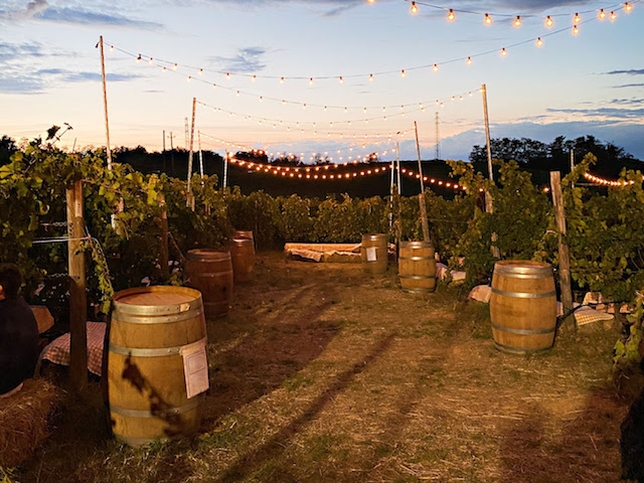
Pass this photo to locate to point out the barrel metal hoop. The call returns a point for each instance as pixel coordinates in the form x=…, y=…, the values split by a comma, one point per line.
x=163, y=319
x=192, y=403
x=418, y=290
x=516, y=350
x=524, y=295
x=523, y=331
x=417, y=277
x=416, y=259
x=147, y=352
x=156, y=310
x=523, y=272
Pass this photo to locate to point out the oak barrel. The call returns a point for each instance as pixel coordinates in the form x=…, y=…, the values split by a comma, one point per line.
x=374, y=253
x=417, y=266
x=211, y=272
x=242, y=253
x=151, y=331
x=523, y=306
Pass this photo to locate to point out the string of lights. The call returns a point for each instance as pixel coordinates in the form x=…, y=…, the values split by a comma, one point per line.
x=607, y=182
x=451, y=13
x=328, y=172
x=338, y=155
x=609, y=12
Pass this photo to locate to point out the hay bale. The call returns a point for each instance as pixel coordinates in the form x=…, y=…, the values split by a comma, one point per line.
x=25, y=420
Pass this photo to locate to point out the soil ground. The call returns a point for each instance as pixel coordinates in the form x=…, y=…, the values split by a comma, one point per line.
x=322, y=373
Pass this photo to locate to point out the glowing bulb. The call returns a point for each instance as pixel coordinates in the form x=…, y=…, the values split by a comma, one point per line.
x=435, y=68
x=549, y=21
x=403, y=73
x=539, y=42
x=111, y=48
x=450, y=15
x=138, y=59
x=282, y=80
x=575, y=30
x=200, y=70
x=601, y=14
x=341, y=80
x=414, y=8
x=517, y=21
x=175, y=66
x=164, y=69
x=613, y=16
x=488, y=19
x=254, y=78
x=189, y=78
x=469, y=61
x=310, y=81
x=628, y=7
x=227, y=75
x=576, y=19
x=504, y=52
x=370, y=77
x=150, y=61
x=238, y=93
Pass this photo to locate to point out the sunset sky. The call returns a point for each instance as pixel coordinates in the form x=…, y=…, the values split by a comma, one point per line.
x=573, y=85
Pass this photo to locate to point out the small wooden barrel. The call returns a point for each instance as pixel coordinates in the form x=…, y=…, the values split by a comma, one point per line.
x=374, y=253
x=245, y=234
x=242, y=253
x=211, y=272
x=523, y=306
x=417, y=267
x=151, y=331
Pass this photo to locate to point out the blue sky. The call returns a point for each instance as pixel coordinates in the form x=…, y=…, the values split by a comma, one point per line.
x=589, y=83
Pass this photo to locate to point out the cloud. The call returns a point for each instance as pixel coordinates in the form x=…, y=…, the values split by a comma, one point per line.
x=626, y=72
x=10, y=52
x=628, y=85
x=246, y=60
x=614, y=113
x=42, y=11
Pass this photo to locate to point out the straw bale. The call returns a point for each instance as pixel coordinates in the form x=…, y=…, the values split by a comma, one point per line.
x=25, y=419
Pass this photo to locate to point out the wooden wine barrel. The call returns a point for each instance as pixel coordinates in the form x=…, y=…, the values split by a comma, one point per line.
x=244, y=234
x=151, y=331
x=242, y=253
x=523, y=306
x=374, y=253
x=417, y=267
x=211, y=272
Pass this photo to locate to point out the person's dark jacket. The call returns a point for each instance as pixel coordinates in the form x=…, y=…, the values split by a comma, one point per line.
x=18, y=343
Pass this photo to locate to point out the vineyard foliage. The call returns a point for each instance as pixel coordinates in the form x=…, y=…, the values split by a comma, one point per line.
x=124, y=214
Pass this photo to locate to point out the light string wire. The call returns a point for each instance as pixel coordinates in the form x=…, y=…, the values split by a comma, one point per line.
x=618, y=6
x=608, y=182
x=173, y=66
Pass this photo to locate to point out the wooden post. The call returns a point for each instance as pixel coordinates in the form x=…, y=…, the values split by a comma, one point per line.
x=77, y=285
x=164, y=256
x=190, y=198
x=107, y=122
x=487, y=132
x=564, y=252
x=421, y=196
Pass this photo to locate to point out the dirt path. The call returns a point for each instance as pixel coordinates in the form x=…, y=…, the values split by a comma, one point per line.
x=323, y=374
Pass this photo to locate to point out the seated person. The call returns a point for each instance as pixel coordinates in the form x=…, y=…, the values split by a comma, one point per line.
x=18, y=332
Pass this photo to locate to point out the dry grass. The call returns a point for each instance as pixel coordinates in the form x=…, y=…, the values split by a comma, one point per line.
x=321, y=374
x=25, y=419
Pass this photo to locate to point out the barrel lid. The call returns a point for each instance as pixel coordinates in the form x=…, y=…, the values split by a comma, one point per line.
x=211, y=254
x=415, y=244
x=156, y=300
x=523, y=267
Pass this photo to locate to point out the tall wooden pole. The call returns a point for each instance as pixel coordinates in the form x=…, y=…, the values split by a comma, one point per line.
x=226, y=158
x=107, y=122
x=200, y=156
x=564, y=251
x=487, y=132
x=421, y=196
x=190, y=199
x=77, y=286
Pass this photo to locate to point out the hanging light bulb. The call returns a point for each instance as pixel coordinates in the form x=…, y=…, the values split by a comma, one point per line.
x=414, y=8
x=435, y=68
x=282, y=80
x=138, y=59
x=370, y=77
x=488, y=19
x=228, y=75
x=539, y=42
x=517, y=21
x=253, y=78
x=450, y=15
x=613, y=16
x=175, y=66
x=576, y=19
x=575, y=30
x=469, y=61
x=628, y=7
x=111, y=48
x=549, y=21
x=403, y=73
x=601, y=15
x=150, y=61
x=341, y=80
x=504, y=52
x=310, y=81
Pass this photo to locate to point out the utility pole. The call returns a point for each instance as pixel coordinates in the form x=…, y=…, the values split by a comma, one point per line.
x=487, y=132
x=171, y=153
